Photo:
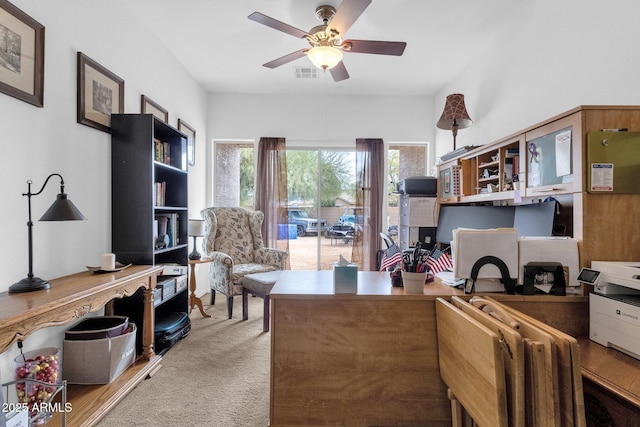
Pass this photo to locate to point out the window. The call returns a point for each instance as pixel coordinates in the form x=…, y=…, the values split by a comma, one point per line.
x=331, y=202
x=404, y=160
x=234, y=174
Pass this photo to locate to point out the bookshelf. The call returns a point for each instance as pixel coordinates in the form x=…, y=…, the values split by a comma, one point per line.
x=149, y=201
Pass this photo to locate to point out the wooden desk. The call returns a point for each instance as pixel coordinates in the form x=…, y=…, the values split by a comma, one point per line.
x=371, y=358
x=193, y=299
x=611, y=384
x=70, y=298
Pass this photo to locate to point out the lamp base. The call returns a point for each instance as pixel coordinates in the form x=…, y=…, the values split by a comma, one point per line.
x=29, y=284
x=194, y=254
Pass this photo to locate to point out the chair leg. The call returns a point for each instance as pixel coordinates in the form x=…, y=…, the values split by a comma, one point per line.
x=213, y=297
x=230, y=306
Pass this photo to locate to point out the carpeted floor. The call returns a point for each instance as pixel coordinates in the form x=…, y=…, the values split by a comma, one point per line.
x=217, y=376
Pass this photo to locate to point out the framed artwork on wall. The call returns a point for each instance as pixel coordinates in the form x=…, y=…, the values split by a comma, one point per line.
x=150, y=107
x=191, y=141
x=100, y=94
x=21, y=55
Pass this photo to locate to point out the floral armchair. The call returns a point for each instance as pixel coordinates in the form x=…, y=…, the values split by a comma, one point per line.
x=233, y=239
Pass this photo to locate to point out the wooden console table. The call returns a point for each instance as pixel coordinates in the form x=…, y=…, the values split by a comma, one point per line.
x=70, y=298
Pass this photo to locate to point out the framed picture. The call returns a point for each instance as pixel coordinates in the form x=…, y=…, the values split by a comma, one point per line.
x=191, y=141
x=100, y=94
x=149, y=106
x=21, y=55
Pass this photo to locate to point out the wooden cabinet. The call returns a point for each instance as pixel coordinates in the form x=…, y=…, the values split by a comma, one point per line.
x=490, y=172
x=149, y=201
x=611, y=386
x=551, y=161
x=553, y=157
x=371, y=358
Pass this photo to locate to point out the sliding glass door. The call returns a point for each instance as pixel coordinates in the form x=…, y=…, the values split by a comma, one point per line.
x=321, y=189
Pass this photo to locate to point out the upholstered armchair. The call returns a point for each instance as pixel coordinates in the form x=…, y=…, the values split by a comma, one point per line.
x=233, y=239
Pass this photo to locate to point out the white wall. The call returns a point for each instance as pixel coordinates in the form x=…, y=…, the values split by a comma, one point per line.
x=322, y=120
x=558, y=56
x=41, y=141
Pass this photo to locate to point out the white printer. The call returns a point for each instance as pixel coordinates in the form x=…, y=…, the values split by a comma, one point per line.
x=614, y=307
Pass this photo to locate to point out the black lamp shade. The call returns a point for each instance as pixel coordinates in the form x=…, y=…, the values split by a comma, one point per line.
x=62, y=209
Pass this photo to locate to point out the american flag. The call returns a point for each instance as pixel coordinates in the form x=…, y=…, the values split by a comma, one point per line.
x=438, y=261
x=391, y=257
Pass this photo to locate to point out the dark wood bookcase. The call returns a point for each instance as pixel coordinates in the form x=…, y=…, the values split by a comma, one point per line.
x=148, y=156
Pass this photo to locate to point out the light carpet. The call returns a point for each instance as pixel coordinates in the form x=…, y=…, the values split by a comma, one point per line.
x=216, y=376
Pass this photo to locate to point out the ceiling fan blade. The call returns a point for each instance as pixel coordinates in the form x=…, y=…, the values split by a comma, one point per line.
x=287, y=58
x=347, y=14
x=339, y=72
x=376, y=47
x=277, y=25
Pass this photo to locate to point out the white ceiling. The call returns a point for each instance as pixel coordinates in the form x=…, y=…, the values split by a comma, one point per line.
x=225, y=51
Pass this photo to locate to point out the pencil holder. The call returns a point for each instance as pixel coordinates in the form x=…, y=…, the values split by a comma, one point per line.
x=413, y=282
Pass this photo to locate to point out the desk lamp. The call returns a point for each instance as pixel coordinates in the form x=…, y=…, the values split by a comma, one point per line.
x=455, y=115
x=195, y=229
x=61, y=210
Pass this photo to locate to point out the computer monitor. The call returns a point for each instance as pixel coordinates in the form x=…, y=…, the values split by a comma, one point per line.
x=478, y=217
x=535, y=219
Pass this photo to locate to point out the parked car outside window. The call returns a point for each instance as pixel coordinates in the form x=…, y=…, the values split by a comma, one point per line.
x=304, y=224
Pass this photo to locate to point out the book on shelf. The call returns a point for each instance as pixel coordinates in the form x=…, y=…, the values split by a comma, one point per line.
x=160, y=191
x=169, y=229
x=162, y=151
x=159, y=150
x=167, y=153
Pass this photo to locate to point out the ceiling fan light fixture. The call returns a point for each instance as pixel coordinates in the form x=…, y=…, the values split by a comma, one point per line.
x=325, y=57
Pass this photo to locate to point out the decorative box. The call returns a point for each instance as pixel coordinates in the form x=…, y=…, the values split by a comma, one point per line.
x=98, y=361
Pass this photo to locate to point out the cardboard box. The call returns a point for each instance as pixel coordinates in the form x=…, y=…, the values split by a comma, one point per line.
x=98, y=361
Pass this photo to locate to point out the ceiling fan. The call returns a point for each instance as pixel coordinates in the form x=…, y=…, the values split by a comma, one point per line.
x=326, y=40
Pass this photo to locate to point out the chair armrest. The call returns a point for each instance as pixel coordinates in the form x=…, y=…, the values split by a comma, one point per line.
x=220, y=272
x=271, y=256
x=220, y=258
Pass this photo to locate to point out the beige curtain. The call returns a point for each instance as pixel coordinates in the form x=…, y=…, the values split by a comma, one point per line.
x=271, y=192
x=370, y=184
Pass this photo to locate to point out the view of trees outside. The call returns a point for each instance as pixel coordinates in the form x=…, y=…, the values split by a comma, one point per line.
x=337, y=171
x=235, y=185
x=247, y=177
x=235, y=174
x=234, y=181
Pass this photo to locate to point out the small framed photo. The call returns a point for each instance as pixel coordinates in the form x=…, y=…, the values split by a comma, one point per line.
x=191, y=141
x=21, y=55
x=150, y=107
x=100, y=94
